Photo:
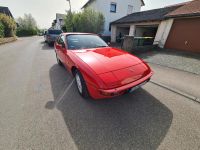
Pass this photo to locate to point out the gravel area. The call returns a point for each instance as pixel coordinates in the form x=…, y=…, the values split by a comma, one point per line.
x=186, y=61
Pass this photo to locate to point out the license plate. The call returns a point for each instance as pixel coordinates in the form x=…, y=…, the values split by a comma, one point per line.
x=137, y=87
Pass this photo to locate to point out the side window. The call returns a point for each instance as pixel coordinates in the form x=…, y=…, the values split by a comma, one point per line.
x=130, y=9
x=113, y=7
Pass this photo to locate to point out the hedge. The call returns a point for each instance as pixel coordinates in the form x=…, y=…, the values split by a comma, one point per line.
x=87, y=20
x=1, y=30
x=9, y=25
x=26, y=32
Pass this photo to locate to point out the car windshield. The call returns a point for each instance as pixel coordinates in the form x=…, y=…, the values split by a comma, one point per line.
x=84, y=41
x=54, y=31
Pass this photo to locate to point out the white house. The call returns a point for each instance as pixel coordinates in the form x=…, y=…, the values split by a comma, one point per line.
x=114, y=9
x=59, y=22
x=173, y=27
x=151, y=23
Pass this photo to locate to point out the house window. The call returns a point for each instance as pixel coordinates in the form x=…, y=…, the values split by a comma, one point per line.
x=130, y=9
x=113, y=7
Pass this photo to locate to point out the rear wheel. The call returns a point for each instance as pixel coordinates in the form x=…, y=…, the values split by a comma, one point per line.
x=81, y=85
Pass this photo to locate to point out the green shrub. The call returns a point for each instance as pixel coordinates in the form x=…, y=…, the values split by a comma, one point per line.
x=85, y=21
x=9, y=25
x=26, y=32
x=27, y=26
x=1, y=30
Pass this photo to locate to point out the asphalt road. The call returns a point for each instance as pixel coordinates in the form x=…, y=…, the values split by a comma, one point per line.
x=40, y=108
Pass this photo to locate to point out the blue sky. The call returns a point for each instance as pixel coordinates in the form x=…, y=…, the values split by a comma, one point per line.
x=44, y=10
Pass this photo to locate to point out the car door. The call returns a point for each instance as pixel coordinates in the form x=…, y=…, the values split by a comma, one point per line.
x=68, y=61
x=58, y=47
x=63, y=51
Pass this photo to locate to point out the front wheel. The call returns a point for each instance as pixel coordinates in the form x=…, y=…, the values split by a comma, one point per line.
x=81, y=85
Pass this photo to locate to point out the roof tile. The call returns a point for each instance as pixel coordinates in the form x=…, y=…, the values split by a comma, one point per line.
x=190, y=8
x=150, y=15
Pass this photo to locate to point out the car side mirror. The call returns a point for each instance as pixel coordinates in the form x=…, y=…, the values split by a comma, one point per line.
x=108, y=43
x=63, y=45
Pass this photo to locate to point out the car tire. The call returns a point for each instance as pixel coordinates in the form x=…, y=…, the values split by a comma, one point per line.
x=81, y=85
x=58, y=60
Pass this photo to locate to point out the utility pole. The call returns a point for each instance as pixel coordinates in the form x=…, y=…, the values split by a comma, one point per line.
x=70, y=12
x=70, y=7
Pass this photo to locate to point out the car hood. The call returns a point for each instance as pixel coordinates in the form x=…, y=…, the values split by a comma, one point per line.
x=103, y=60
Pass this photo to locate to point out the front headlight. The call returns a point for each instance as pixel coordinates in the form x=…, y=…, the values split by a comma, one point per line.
x=109, y=80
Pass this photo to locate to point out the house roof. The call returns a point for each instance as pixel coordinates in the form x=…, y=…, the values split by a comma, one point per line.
x=89, y=1
x=144, y=16
x=5, y=10
x=189, y=9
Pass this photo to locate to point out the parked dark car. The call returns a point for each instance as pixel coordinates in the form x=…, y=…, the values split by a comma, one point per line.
x=51, y=36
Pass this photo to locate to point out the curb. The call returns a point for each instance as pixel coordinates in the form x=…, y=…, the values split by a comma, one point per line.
x=191, y=97
x=7, y=40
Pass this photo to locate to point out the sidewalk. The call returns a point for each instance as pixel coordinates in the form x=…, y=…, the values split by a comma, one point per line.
x=181, y=60
x=186, y=82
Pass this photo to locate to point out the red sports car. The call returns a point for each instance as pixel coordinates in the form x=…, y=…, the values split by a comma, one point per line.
x=100, y=71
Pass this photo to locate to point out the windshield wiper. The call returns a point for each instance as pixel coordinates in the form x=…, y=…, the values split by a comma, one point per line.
x=101, y=46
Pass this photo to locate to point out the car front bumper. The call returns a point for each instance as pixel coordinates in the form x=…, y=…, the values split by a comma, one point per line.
x=102, y=93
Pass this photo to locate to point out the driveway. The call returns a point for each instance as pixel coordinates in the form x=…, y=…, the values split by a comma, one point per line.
x=41, y=109
x=186, y=61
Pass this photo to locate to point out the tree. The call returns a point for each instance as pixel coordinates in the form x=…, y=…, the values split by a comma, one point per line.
x=85, y=21
x=27, y=25
x=69, y=21
x=8, y=25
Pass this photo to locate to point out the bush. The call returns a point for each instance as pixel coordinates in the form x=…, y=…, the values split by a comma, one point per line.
x=27, y=26
x=1, y=30
x=86, y=21
x=9, y=25
x=26, y=32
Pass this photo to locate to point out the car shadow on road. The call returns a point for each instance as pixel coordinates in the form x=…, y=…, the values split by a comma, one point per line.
x=133, y=121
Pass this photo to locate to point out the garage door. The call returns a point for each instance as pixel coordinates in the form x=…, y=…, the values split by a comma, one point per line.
x=185, y=35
